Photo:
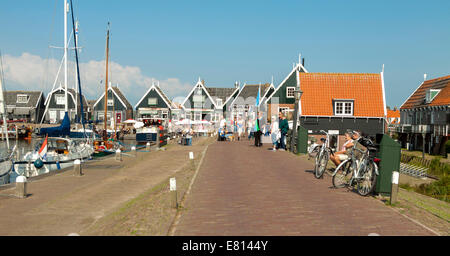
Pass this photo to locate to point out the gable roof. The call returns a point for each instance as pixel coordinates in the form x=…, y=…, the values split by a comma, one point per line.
x=417, y=98
x=70, y=92
x=299, y=67
x=221, y=93
x=320, y=89
x=251, y=91
x=161, y=94
x=33, y=98
x=202, y=86
x=118, y=94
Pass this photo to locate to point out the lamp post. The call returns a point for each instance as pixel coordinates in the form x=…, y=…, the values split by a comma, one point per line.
x=298, y=94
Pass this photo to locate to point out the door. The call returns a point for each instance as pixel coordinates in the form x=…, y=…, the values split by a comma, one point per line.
x=118, y=118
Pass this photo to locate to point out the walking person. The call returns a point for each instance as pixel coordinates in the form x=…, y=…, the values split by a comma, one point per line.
x=240, y=128
x=275, y=132
x=257, y=132
x=284, y=128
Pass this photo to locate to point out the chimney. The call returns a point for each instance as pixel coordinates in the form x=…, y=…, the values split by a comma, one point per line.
x=203, y=82
x=236, y=84
x=303, y=62
x=424, y=77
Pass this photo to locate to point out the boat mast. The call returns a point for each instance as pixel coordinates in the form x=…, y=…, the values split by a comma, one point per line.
x=106, y=86
x=2, y=112
x=66, y=9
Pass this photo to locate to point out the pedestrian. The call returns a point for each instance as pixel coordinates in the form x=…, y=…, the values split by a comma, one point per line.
x=275, y=132
x=258, y=132
x=240, y=128
x=284, y=128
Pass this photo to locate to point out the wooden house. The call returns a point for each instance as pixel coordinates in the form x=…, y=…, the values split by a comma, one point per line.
x=117, y=103
x=25, y=105
x=425, y=117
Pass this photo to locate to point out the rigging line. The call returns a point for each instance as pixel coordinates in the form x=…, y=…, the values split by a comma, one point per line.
x=1, y=71
x=78, y=70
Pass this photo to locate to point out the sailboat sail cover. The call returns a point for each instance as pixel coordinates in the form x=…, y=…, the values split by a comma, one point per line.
x=62, y=130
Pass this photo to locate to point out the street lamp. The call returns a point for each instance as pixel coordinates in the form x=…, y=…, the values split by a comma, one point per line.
x=297, y=94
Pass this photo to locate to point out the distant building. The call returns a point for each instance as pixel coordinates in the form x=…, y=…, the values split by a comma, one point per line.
x=55, y=105
x=208, y=103
x=116, y=103
x=282, y=99
x=335, y=102
x=154, y=104
x=425, y=117
x=26, y=105
x=244, y=105
x=393, y=116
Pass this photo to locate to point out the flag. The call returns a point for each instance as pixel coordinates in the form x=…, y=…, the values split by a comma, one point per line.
x=257, y=103
x=43, y=149
x=257, y=97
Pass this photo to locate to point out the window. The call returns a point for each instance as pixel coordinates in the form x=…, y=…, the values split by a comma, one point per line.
x=430, y=94
x=22, y=98
x=219, y=103
x=152, y=101
x=110, y=102
x=199, y=98
x=290, y=92
x=197, y=116
x=60, y=99
x=343, y=108
x=283, y=110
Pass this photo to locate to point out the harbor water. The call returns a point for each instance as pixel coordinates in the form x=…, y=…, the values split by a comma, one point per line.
x=29, y=145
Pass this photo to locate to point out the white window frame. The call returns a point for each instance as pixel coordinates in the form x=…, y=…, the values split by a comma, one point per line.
x=293, y=92
x=284, y=110
x=60, y=99
x=151, y=103
x=195, y=98
x=219, y=103
x=110, y=102
x=20, y=96
x=344, y=105
x=197, y=116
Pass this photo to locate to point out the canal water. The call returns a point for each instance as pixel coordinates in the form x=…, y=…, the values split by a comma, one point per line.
x=26, y=145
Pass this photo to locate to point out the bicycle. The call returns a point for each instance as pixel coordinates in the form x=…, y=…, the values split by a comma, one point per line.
x=361, y=172
x=322, y=156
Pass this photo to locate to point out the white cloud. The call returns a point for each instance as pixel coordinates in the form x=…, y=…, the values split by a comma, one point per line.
x=31, y=72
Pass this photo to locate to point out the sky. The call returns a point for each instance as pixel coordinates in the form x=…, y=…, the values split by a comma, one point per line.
x=176, y=42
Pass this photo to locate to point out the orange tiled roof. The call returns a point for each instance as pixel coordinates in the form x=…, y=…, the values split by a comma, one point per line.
x=393, y=113
x=320, y=89
x=417, y=99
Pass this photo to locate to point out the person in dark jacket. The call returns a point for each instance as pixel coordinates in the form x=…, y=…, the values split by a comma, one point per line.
x=284, y=128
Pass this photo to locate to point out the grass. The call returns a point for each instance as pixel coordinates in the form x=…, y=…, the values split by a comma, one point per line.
x=439, y=189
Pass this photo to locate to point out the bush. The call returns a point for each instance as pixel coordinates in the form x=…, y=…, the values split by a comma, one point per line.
x=439, y=189
x=447, y=147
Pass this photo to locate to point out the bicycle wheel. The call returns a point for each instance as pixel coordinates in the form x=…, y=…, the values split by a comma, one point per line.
x=322, y=165
x=342, y=177
x=368, y=181
x=317, y=161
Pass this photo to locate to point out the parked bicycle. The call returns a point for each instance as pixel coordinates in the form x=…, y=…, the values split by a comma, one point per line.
x=361, y=170
x=322, y=156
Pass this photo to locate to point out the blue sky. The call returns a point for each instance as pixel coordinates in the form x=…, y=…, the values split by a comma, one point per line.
x=224, y=41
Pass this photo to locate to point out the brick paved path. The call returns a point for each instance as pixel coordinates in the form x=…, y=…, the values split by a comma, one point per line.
x=243, y=190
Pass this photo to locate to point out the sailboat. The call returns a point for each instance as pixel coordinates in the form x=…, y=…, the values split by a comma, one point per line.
x=107, y=145
x=57, y=148
x=5, y=156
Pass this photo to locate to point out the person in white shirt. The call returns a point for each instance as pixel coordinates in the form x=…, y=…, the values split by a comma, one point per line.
x=274, y=131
